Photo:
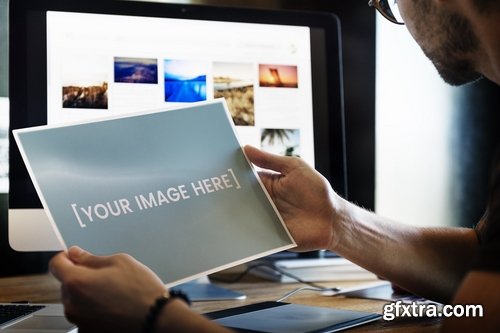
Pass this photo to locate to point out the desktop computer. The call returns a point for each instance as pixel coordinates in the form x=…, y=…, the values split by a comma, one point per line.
x=279, y=71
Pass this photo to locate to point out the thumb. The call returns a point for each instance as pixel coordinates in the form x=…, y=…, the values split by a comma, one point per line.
x=265, y=160
x=82, y=257
x=60, y=266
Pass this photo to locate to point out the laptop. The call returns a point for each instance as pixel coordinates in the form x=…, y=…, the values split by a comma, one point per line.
x=34, y=318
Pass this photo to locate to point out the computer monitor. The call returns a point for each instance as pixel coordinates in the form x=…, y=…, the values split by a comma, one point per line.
x=279, y=71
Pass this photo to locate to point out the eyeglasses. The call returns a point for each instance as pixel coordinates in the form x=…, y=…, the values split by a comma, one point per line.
x=389, y=9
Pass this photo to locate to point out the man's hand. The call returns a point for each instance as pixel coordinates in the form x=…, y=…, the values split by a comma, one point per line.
x=303, y=197
x=108, y=293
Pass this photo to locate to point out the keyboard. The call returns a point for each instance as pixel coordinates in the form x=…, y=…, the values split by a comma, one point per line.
x=10, y=312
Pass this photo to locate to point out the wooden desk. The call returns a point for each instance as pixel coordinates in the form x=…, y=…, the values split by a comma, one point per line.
x=45, y=289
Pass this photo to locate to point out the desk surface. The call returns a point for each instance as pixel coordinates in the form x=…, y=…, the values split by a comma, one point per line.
x=45, y=289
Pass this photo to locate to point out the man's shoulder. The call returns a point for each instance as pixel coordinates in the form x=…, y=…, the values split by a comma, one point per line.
x=478, y=295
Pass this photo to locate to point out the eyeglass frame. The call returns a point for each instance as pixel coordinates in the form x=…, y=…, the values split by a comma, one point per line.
x=384, y=9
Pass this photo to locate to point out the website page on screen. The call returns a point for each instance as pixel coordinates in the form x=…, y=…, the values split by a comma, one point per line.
x=103, y=65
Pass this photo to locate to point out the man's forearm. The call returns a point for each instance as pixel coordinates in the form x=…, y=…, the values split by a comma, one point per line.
x=430, y=262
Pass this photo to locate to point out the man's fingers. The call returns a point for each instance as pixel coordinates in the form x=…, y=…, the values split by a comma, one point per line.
x=265, y=160
x=85, y=258
x=60, y=266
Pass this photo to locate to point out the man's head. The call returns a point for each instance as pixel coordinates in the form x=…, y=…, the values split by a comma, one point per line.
x=450, y=34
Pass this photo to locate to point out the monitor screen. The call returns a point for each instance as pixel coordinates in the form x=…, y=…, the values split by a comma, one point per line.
x=102, y=64
x=280, y=73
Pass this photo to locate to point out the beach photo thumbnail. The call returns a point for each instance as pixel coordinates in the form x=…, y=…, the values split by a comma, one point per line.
x=235, y=83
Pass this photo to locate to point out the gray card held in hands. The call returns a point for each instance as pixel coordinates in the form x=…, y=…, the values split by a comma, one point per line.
x=172, y=188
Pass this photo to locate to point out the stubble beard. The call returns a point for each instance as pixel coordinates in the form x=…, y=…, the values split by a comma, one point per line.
x=454, y=41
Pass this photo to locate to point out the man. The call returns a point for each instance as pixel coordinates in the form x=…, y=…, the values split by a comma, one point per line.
x=458, y=265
